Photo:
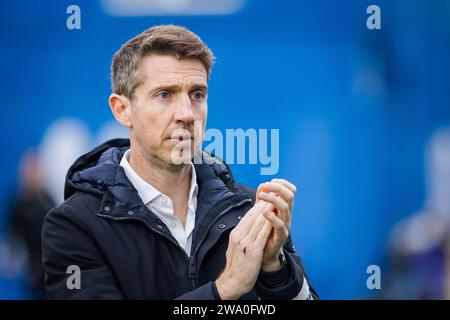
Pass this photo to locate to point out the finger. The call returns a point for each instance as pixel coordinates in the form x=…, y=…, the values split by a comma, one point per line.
x=278, y=203
x=244, y=226
x=287, y=184
x=258, y=191
x=263, y=235
x=280, y=190
x=283, y=191
x=281, y=230
x=255, y=230
x=250, y=216
x=276, y=222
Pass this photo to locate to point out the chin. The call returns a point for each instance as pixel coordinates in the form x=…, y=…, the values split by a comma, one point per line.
x=180, y=154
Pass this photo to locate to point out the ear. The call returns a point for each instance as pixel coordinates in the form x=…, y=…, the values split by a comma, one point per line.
x=121, y=109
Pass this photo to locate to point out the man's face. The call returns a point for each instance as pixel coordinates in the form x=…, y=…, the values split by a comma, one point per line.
x=172, y=98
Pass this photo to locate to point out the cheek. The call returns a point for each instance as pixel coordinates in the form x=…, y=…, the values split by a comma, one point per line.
x=146, y=124
x=201, y=114
x=200, y=120
x=205, y=111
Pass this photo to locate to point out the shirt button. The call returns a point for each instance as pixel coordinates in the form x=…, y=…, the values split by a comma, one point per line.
x=173, y=225
x=221, y=226
x=130, y=212
x=240, y=217
x=107, y=208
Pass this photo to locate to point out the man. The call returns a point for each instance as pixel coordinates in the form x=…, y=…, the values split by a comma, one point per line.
x=28, y=210
x=141, y=222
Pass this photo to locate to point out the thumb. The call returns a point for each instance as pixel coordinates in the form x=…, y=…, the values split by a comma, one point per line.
x=261, y=188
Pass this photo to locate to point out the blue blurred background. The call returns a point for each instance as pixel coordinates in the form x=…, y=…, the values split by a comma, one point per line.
x=357, y=111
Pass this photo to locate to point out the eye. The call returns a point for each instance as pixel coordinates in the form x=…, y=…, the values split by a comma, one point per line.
x=198, y=95
x=164, y=95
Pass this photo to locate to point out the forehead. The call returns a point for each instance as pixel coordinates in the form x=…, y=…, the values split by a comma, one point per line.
x=165, y=69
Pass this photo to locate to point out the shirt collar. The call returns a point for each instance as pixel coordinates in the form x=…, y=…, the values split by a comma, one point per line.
x=146, y=191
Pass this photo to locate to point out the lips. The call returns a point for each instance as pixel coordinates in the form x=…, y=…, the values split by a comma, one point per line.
x=180, y=137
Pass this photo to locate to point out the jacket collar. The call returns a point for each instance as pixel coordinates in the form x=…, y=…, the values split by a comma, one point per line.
x=99, y=172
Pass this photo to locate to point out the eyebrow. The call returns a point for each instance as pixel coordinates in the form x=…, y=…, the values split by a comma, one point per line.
x=176, y=88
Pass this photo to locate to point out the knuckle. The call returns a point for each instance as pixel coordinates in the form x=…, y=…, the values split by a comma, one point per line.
x=274, y=186
x=269, y=215
x=265, y=195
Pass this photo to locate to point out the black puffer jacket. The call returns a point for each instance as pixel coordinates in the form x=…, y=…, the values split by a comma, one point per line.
x=125, y=251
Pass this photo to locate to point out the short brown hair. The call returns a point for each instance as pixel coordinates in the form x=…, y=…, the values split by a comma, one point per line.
x=165, y=39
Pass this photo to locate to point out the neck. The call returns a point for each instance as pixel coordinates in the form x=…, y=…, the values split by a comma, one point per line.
x=171, y=180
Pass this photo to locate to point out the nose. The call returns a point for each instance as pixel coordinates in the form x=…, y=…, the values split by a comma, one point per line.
x=184, y=112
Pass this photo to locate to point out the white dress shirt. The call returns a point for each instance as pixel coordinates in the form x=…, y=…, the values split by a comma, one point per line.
x=161, y=205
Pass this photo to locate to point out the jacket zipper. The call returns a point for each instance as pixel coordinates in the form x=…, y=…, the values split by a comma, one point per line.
x=191, y=260
x=193, y=267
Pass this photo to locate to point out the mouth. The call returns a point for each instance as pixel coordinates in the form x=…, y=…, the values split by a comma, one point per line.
x=180, y=137
x=180, y=142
